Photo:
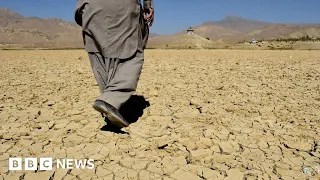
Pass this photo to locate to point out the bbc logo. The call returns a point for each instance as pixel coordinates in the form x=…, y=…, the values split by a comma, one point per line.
x=46, y=164
x=30, y=164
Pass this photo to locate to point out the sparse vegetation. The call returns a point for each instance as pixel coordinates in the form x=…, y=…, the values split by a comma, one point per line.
x=287, y=40
x=303, y=39
x=150, y=47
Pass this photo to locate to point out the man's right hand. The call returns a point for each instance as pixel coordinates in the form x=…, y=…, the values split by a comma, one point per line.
x=149, y=16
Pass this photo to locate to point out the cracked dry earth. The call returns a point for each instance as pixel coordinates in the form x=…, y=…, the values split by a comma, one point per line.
x=219, y=114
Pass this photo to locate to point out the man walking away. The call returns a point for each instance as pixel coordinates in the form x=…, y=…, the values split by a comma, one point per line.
x=115, y=33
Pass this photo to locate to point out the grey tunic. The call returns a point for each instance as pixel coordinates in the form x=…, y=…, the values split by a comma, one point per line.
x=114, y=28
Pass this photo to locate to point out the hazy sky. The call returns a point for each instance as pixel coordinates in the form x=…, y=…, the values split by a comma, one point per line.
x=175, y=15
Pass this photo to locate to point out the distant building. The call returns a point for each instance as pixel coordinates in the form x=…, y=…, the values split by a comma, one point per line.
x=254, y=41
x=190, y=30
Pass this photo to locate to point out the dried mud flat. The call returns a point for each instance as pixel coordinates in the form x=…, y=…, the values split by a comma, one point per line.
x=220, y=114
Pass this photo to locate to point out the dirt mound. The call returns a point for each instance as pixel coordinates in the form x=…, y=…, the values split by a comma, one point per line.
x=190, y=41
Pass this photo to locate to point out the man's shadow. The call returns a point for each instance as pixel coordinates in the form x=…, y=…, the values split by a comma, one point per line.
x=132, y=110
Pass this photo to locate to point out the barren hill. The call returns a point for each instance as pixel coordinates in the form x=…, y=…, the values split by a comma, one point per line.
x=8, y=14
x=36, y=32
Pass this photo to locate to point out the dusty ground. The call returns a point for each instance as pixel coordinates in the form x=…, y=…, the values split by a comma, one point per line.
x=218, y=114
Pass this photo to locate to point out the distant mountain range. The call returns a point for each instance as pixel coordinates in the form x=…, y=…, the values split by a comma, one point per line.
x=234, y=29
x=244, y=28
x=55, y=33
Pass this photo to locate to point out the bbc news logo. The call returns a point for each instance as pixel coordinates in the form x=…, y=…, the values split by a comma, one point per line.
x=47, y=164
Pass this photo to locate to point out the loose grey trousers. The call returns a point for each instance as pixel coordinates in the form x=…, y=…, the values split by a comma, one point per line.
x=117, y=78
